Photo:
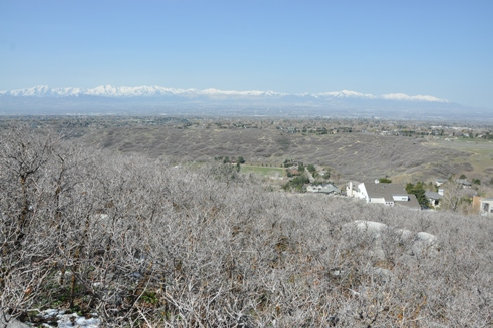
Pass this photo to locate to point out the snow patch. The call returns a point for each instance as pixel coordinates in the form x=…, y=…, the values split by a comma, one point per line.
x=68, y=320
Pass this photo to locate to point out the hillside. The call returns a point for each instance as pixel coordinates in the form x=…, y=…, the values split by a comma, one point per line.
x=141, y=241
x=354, y=155
x=353, y=149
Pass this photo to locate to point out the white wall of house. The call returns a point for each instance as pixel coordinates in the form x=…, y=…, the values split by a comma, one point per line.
x=356, y=191
x=362, y=193
x=350, y=189
x=486, y=207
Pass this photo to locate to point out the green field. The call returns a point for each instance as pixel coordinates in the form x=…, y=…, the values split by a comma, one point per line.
x=273, y=172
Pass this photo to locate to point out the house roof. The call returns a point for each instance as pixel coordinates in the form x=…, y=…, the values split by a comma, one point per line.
x=412, y=203
x=330, y=188
x=388, y=191
x=433, y=195
x=463, y=182
x=327, y=188
x=384, y=190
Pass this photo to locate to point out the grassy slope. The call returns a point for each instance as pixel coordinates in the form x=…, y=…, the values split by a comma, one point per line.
x=480, y=154
x=353, y=155
x=264, y=171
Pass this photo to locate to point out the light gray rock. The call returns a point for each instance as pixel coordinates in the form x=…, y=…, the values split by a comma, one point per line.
x=403, y=234
x=426, y=237
x=7, y=322
x=373, y=229
x=420, y=244
x=425, y=244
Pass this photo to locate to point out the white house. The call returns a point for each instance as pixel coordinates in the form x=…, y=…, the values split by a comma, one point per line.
x=486, y=207
x=355, y=189
x=389, y=194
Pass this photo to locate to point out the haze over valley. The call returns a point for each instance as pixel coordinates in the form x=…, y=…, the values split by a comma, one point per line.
x=145, y=100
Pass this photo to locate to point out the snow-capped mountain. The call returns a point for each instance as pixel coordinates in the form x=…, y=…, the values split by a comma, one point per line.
x=127, y=91
x=144, y=90
x=158, y=99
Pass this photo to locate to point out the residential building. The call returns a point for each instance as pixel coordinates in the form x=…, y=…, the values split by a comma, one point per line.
x=354, y=189
x=439, y=182
x=464, y=183
x=389, y=194
x=434, y=198
x=327, y=188
x=486, y=207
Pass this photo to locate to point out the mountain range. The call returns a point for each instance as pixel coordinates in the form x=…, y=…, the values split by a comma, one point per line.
x=108, y=99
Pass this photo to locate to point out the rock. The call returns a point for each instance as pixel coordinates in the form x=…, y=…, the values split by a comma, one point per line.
x=7, y=322
x=403, y=234
x=372, y=228
x=426, y=237
x=424, y=244
x=421, y=244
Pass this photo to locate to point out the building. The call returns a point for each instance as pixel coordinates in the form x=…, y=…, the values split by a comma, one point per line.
x=486, y=206
x=464, y=183
x=482, y=206
x=323, y=188
x=439, y=182
x=389, y=194
x=434, y=198
x=354, y=189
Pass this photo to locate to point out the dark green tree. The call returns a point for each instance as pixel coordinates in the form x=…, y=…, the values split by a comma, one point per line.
x=419, y=191
x=311, y=168
x=296, y=183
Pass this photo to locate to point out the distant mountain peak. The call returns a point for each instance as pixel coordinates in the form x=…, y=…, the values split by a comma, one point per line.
x=156, y=91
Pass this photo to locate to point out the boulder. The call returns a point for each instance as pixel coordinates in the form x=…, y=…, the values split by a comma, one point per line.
x=8, y=322
x=420, y=244
x=424, y=244
x=371, y=228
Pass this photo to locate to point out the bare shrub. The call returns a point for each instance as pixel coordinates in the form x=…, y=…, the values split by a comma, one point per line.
x=144, y=243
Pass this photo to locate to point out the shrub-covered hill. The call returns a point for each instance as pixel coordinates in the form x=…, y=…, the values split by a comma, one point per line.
x=142, y=243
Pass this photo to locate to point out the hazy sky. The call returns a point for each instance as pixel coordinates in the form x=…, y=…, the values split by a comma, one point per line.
x=439, y=48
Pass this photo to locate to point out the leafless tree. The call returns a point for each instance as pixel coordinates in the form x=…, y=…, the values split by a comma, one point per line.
x=145, y=243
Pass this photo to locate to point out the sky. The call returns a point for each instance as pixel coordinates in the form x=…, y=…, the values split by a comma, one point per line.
x=438, y=48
